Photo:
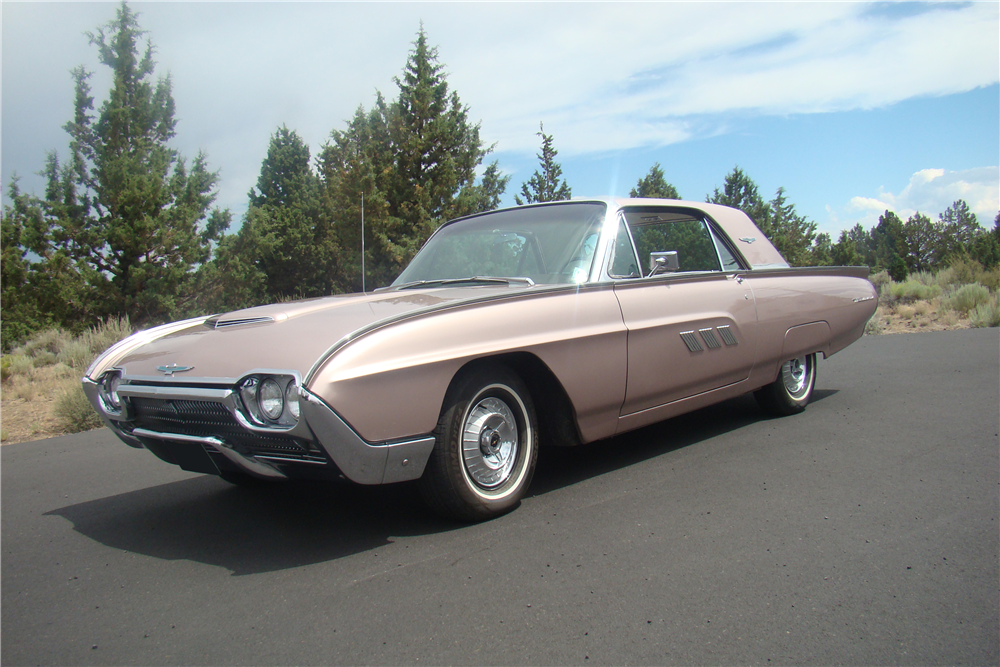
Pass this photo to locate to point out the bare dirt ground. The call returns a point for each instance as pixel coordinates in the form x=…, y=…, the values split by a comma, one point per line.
x=24, y=419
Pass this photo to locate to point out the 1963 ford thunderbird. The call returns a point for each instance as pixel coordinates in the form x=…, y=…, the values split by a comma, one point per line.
x=552, y=324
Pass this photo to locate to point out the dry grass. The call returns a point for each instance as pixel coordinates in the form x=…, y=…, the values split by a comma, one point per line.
x=40, y=392
x=919, y=316
x=28, y=402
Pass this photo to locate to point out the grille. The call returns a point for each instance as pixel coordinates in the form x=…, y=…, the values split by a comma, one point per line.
x=210, y=419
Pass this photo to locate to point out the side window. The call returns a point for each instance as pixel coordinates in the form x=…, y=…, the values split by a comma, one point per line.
x=729, y=262
x=624, y=264
x=690, y=239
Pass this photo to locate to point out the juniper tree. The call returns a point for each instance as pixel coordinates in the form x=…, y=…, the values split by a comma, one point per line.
x=415, y=160
x=286, y=245
x=132, y=216
x=544, y=185
x=654, y=185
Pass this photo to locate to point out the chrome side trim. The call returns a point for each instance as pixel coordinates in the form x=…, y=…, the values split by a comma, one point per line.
x=770, y=271
x=247, y=464
x=526, y=293
x=359, y=461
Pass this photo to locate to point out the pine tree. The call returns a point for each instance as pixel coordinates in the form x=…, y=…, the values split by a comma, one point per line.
x=888, y=240
x=921, y=238
x=654, y=185
x=958, y=231
x=545, y=185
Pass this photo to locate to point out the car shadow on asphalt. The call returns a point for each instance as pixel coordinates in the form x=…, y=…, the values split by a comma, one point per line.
x=254, y=530
x=603, y=456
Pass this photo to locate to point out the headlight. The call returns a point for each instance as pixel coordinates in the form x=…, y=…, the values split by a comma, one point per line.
x=108, y=392
x=271, y=399
x=292, y=399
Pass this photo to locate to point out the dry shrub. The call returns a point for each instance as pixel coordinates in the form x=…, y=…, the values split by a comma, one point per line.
x=965, y=271
x=986, y=314
x=922, y=308
x=906, y=312
x=914, y=290
x=74, y=412
x=21, y=365
x=77, y=354
x=875, y=325
x=946, y=277
x=49, y=340
x=879, y=279
x=885, y=296
x=948, y=318
x=106, y=334
x=25, y=391
x=966, y=298
x=44, y=358
x=991, y=279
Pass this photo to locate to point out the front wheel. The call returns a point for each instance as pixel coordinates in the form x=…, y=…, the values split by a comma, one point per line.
x=792, y=390
x=486, y=448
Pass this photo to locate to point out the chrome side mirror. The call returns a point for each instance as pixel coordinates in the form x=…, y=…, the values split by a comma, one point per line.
x=662, y=262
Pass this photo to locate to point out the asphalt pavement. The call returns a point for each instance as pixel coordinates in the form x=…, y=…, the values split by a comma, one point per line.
x=863, y=531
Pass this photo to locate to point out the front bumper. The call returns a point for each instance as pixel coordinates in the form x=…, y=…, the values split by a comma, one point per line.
x=328, y=442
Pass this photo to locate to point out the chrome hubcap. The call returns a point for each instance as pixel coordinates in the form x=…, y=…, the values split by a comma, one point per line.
x=795, y=375
x=489, y=442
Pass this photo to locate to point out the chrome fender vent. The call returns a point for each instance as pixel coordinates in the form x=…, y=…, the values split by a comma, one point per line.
x=239, y=322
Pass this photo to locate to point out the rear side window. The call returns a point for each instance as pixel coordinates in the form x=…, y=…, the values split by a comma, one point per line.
x=690, y=239
x=729, y=261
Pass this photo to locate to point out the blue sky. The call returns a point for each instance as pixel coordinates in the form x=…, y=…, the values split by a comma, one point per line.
x=852, y=107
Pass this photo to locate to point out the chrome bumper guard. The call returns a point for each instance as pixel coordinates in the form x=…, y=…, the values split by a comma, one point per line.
x=358, y=460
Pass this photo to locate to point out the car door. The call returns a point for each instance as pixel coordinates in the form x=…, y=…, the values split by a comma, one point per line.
x=692, y=324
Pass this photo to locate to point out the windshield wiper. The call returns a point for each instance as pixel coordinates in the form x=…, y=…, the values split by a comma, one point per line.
x=474, y=280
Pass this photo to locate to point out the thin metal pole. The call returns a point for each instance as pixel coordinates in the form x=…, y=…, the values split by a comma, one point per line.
x=363, y=242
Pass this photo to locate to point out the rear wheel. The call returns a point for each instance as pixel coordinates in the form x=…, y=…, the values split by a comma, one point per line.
x=791, y=392
x=486, y=446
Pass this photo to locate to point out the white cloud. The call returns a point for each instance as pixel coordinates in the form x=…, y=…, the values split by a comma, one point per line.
x=931, y=191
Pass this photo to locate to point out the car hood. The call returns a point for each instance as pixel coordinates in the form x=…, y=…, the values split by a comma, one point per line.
x=281, y=337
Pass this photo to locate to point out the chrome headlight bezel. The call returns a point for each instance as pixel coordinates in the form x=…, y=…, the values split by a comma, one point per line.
x=107, y=391
x=258, y=394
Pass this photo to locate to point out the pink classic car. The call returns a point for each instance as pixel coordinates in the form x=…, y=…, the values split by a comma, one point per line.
x=552, y=324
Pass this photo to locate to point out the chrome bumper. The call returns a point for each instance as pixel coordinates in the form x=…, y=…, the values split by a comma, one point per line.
x=358, y=460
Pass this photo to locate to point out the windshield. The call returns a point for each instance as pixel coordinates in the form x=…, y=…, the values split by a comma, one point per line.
x=547, y=244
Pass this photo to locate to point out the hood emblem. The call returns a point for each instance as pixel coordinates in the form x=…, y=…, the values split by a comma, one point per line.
x=748, y=239
x=170, y=369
